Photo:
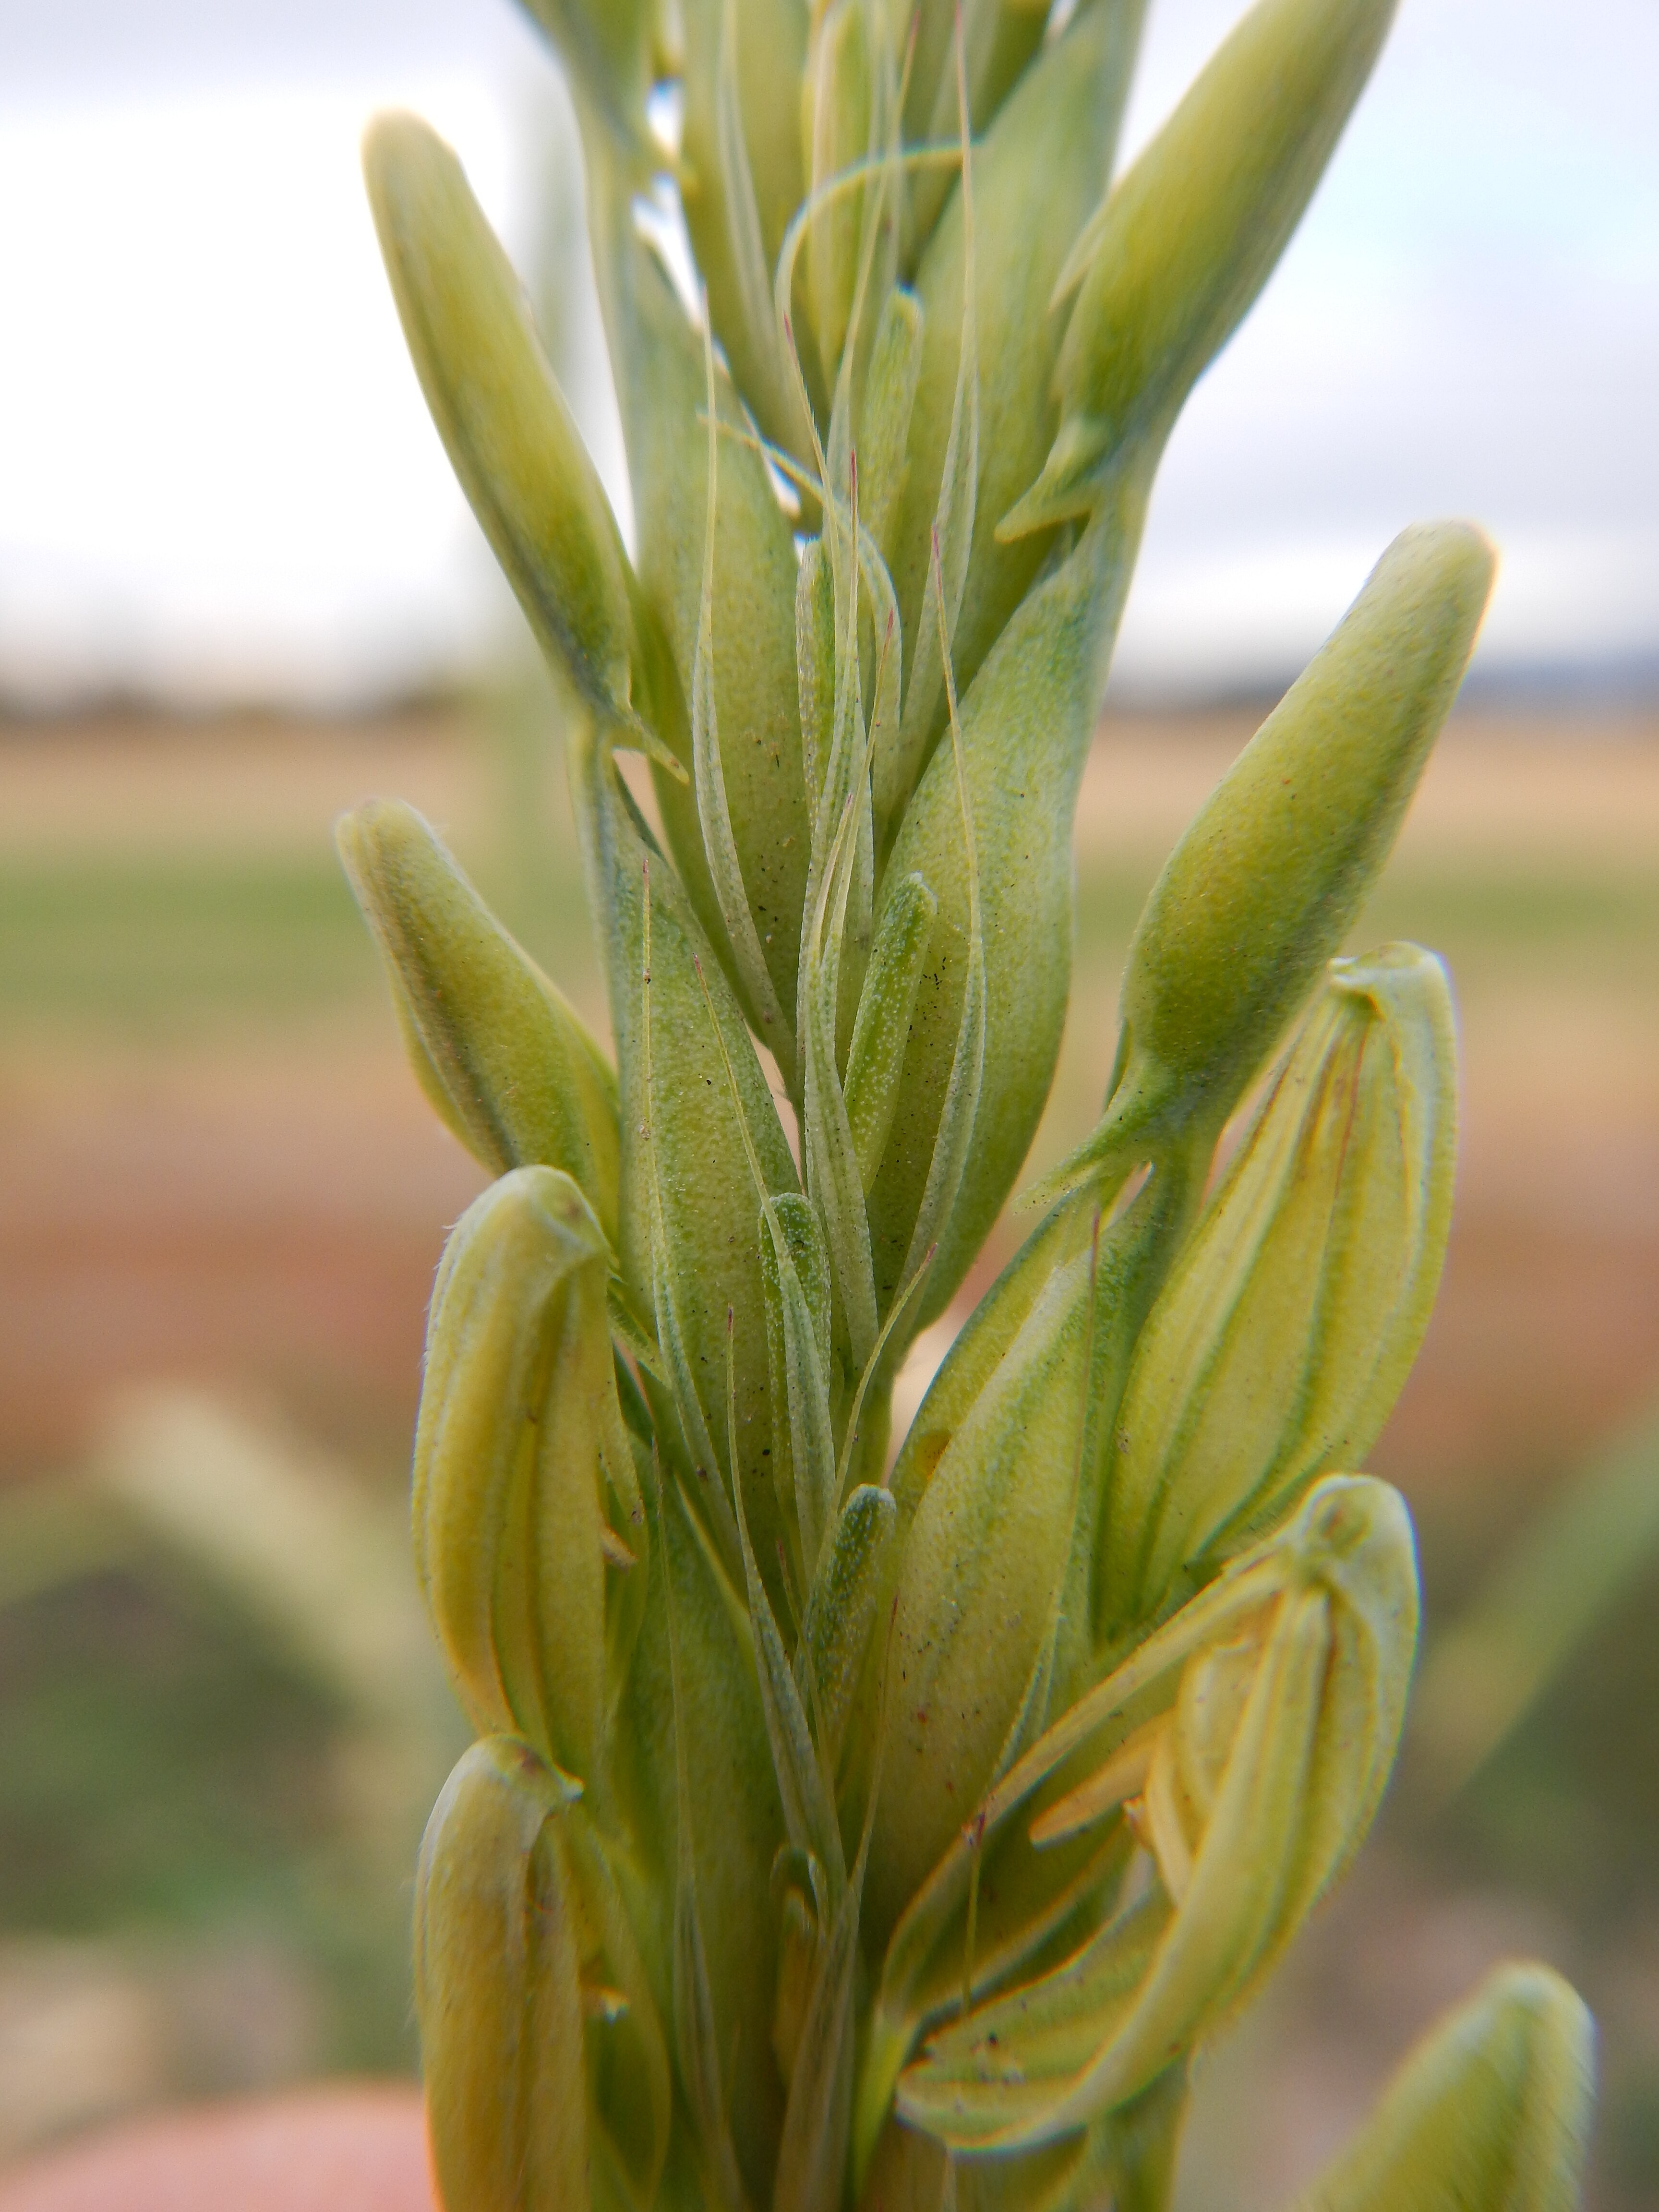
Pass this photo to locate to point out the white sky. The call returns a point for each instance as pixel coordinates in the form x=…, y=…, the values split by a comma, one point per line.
x=217, y=475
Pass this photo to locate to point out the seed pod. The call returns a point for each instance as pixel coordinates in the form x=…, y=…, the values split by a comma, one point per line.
x=1041, y=168
x=1258, y=1728
x=517, y=1415
x=1281, y=1340
x=498, y=1944
x=1260, y=892
x=1192, y=233
x=1026, y=725
x=507, y=1060
x=510, y=435
x=1490, y=2113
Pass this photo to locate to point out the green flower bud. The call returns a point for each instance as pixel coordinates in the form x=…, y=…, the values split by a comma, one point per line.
x=839, y=97
x=1243, y=1749
x=703, y=1147
x=982, y=1564
x=518, y=1432
x=510, y=435
x=1279, y=1343
x=1026, y=725
x=509, y=1065
x=1041, y=168
x=1490, y=2113
x=734, y=600
x=1000, y=38
x=498, y=1989
x=714, y=1809
x=1260, y=892
x=993, y=1603
x=886, y=411
x=741, y=181
x=1190, y=237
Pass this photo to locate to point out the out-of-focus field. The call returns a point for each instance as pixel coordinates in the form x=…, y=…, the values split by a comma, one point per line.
x=217, y=1175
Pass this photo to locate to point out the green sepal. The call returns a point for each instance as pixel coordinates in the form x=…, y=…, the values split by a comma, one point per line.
x=510, y=1066
x=795, y=1273
x=1191, y=234
x=509, y=433
x=1277, y=1347
x=842, y=1609
x=509, y=1480
x=1490, y=2113
x=886, y=413
x=1263, y=887
x=875, y=1059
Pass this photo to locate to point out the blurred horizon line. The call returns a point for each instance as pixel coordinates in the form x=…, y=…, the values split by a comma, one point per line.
x=1591, y=687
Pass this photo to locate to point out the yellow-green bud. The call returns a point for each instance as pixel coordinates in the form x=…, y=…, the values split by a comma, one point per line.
x=1040, y=167
x=1262, y=889
x=510, y=1531
x=509, y=433
x=1490, y=2113
x=1279, y=1343
x=741, y=180
x=838, y=104
x=510, y=1066
x=498, y=1989
x=1189, y=238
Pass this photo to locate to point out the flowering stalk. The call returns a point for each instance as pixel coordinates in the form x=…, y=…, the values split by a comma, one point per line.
x=847, y=1827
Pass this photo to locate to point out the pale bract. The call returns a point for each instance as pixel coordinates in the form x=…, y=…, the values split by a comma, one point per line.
x=861, y=1819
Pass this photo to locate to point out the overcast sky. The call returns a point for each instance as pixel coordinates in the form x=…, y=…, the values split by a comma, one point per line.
x=217, y=475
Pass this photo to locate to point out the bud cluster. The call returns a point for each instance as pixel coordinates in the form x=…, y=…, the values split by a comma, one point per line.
x=858, y=1820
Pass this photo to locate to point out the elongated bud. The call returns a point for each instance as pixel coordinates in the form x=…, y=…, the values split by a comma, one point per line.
x=837, y=108
x=983, y=1606
x=1490, y=2113
x=1041, y=166
x=1244, y=1748
x=509, y=1530
x=1025, y=728
x=1282, y=1339
x=510, y=435
x=741, y=180
x=509, y=1064
x=498, y=1947
x=1192, y=233
x=1262, y=889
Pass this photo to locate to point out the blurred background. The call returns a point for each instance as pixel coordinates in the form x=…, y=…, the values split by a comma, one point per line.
x=238, y=591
